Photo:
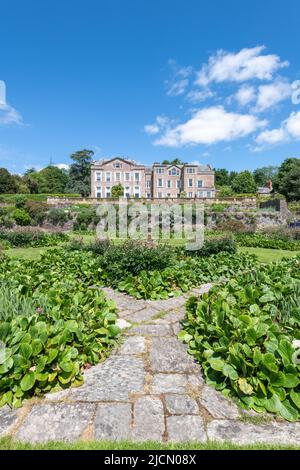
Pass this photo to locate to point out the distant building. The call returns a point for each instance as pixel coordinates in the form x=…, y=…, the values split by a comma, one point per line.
x=266, y=189
x=156, y=181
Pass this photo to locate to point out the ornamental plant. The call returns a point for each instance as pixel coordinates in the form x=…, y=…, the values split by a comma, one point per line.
x=246, y=333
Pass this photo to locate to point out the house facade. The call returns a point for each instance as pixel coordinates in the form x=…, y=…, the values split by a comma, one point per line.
x=158, y=181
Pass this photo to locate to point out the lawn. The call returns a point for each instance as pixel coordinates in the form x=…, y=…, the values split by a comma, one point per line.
x=266, y=255
x=9, y=444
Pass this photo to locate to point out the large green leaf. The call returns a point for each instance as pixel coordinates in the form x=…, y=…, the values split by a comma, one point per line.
x=28, y=381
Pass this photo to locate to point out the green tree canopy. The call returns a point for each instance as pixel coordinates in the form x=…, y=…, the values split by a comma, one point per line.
x=80, y=173
x=244, y=183
x=264, y=174
x=50, y=180
x=222, y=177
x=175, y=161
x=288, y=179
x=8, y=183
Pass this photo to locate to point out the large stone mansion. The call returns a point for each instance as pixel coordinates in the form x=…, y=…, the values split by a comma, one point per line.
x=157, y=181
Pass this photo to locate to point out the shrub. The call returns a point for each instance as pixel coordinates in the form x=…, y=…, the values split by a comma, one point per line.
x=6, y=219
x=23, y=238
x=242, y=333
x=37, y=211
x=225, y=191
x=219, y=207
x=57, y=216
x=21, y=217
x=132, y=257
x=212, y=246
x=76, y=244
x=264, y=240
x=99, y=247
x=85, y=218
x=20, y=201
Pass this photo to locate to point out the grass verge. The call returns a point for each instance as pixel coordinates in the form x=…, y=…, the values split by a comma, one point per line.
x=10, y=444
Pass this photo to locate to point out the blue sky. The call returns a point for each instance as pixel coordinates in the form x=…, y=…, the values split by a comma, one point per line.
x=204, y=81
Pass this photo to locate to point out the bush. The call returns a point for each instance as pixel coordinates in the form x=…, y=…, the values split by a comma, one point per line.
x=86, y=218
x=21, y=217
x=212, y=246
x=6, y=219
x=37, y=211
x=99, y=247
x=57, y=216
x=20, y=201
x=132, y=257
x=219, y=207
x=23, y=238
x=273, y=240
x=76, y=244
x=243, y=334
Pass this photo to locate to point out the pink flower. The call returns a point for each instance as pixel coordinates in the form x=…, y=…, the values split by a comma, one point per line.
x=87, y=365
x=39, y=310
x=32, y=369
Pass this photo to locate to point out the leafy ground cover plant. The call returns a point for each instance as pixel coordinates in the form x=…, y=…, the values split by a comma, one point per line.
x=268, y=240
x=185, y=274
x=246, y=333
x=59, y=324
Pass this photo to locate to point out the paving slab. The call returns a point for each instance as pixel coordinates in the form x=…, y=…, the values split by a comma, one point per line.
x=186, y=429
x=148, y=419
x=113, y=421
x=56, y=422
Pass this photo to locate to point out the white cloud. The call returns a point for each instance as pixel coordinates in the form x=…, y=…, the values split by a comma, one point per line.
x=245, y=95
x=197, y=96
x=151, y=129
x=62, y=166
x=177, y=88
x=272, y=94
x=209, y=126
x=9, y=115
x=247, y=64
x=289, y=130
x=161, y=123
x=179, y=80
x=272, y=137
x=293, y=125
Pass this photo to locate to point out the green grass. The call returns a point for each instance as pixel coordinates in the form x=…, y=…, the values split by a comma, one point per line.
x=27, y=253
x=10, y=444
x=266, y=255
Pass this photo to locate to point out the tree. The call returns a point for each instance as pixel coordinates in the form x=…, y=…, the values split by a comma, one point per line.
x=8, y=184
x=288, y=179
x=244, y=183
x=22, y=187
x=31, y=183
x=50, y=180
x=222, y=177
x=175, y=161
x=117, y=191
x=264, y=174
x=232, y=175
x=80, y=173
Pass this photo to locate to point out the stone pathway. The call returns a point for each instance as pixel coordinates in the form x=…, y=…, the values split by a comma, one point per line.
x=149, y=389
